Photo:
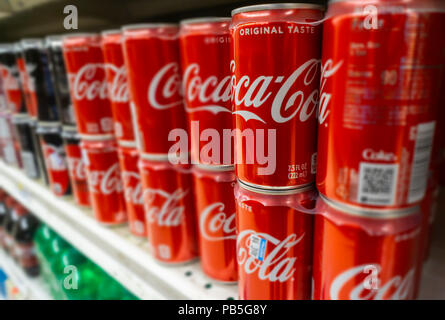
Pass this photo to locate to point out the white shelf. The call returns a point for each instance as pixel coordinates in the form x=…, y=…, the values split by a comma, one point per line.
x=31, y=288
x=122, y=255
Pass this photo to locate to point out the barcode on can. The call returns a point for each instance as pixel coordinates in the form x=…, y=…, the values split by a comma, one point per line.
x=421, y=161
x=377, y=183
x=257, y=247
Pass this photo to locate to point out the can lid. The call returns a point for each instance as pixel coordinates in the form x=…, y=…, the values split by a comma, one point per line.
x=96, y=137
x=154, y=156
x=277, y=6
x=148, y=26
x=70, y=132
x=31, y=43
x=20, y=118
x=80, y=34
x=112, y=31
x=127, y=144
x=370, y=212
x=54, y=40
x=48, y=127
x=257, y=189
x=204, y=20
x=6, y=47
x=215, y=168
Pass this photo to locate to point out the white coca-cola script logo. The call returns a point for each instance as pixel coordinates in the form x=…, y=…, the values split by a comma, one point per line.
x=55, y=160
x=170, y=213
x=402, y=287
x=133, y=187
x=166, y=84
x=105, y=182
x=276, y=266
x=258, y=92
x=213, y=220
x=213, y=94
x=327, y=71
x=117, y=87
x=89, y=82
x=77, y=168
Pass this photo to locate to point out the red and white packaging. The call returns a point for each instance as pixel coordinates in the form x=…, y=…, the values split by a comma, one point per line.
x=205, y=61
x=104, y=181
x=9, y=72
x=275, y=87
x=55, y=158
x=129, y=159
x=377, y=120
x=9, y=142
x=361, y=255
x=151, y=53
x=169, y=210
x=88, y=86
x=216, y=218
x=117, y=85
x=274, y=243
x=76, y=166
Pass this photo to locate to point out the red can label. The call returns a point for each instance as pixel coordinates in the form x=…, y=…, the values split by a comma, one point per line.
x=274, y=262
x=88, y=86
x=57, y=169
x=77, y=174
x=205, y=57
x=117, y=86
x=105, y=183
x=128, y=159
x=350, y=263
x=170, y=212
x=155, y=84
x=377, y=120
x=275, y=83
x=11, y=88
x=215, y=208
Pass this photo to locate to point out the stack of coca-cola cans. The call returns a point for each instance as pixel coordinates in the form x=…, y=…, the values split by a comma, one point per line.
x=293, y=149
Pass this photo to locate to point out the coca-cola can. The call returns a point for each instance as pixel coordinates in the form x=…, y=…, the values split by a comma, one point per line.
x=117, y=85
x=377, y=120
x=88, y=86
x=76, y=166
x=274, y=100
x=365, y=254
x=205, y=61
x=60, y=80
x=104, y=181
x=55, y=158
x=274, y=242
x=28, y=148
x=151, y=53
x=129, y=160
x=9, y=72
x=170, y=211
x=39, y=80
x=9, y=142
x=38, y=151
x=216, y=218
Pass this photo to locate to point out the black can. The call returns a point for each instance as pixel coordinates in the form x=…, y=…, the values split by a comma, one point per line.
x=39, y=151
x=27, y=145
x=37, y=69
x=60, y=80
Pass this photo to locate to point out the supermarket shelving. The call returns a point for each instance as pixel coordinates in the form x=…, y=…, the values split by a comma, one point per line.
x=30, y=288
x=128, y=259
x=122, y=255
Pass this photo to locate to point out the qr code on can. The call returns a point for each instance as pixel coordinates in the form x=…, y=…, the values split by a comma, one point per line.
x=377, y=183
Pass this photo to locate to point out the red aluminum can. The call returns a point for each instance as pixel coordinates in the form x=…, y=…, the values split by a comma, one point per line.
x=274, y=100
x=274, y=243
x=55, y=158
x=104, y=181
x=88, y=87
x=9, y=72
x=128, y=159
x=205, y=61
x=365, y=255
x=117, y=85
x=76, y=166
x=169, y=210
x=215, y=213
x=151, y=53
x=377, y=120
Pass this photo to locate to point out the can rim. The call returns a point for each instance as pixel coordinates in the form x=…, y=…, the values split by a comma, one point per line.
x=277, y=6
x=283, y=192
x=96, y=137
x=204, y=19
x=154, y=156
x=383, y=213
x=31, y=43
x=5, y=47
x=48, y=127
x=110, y=31
x=80, y=34
x=20, y=118
x=127, y=143
x=70, y=132
x=215, y=168
x=147, y=26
